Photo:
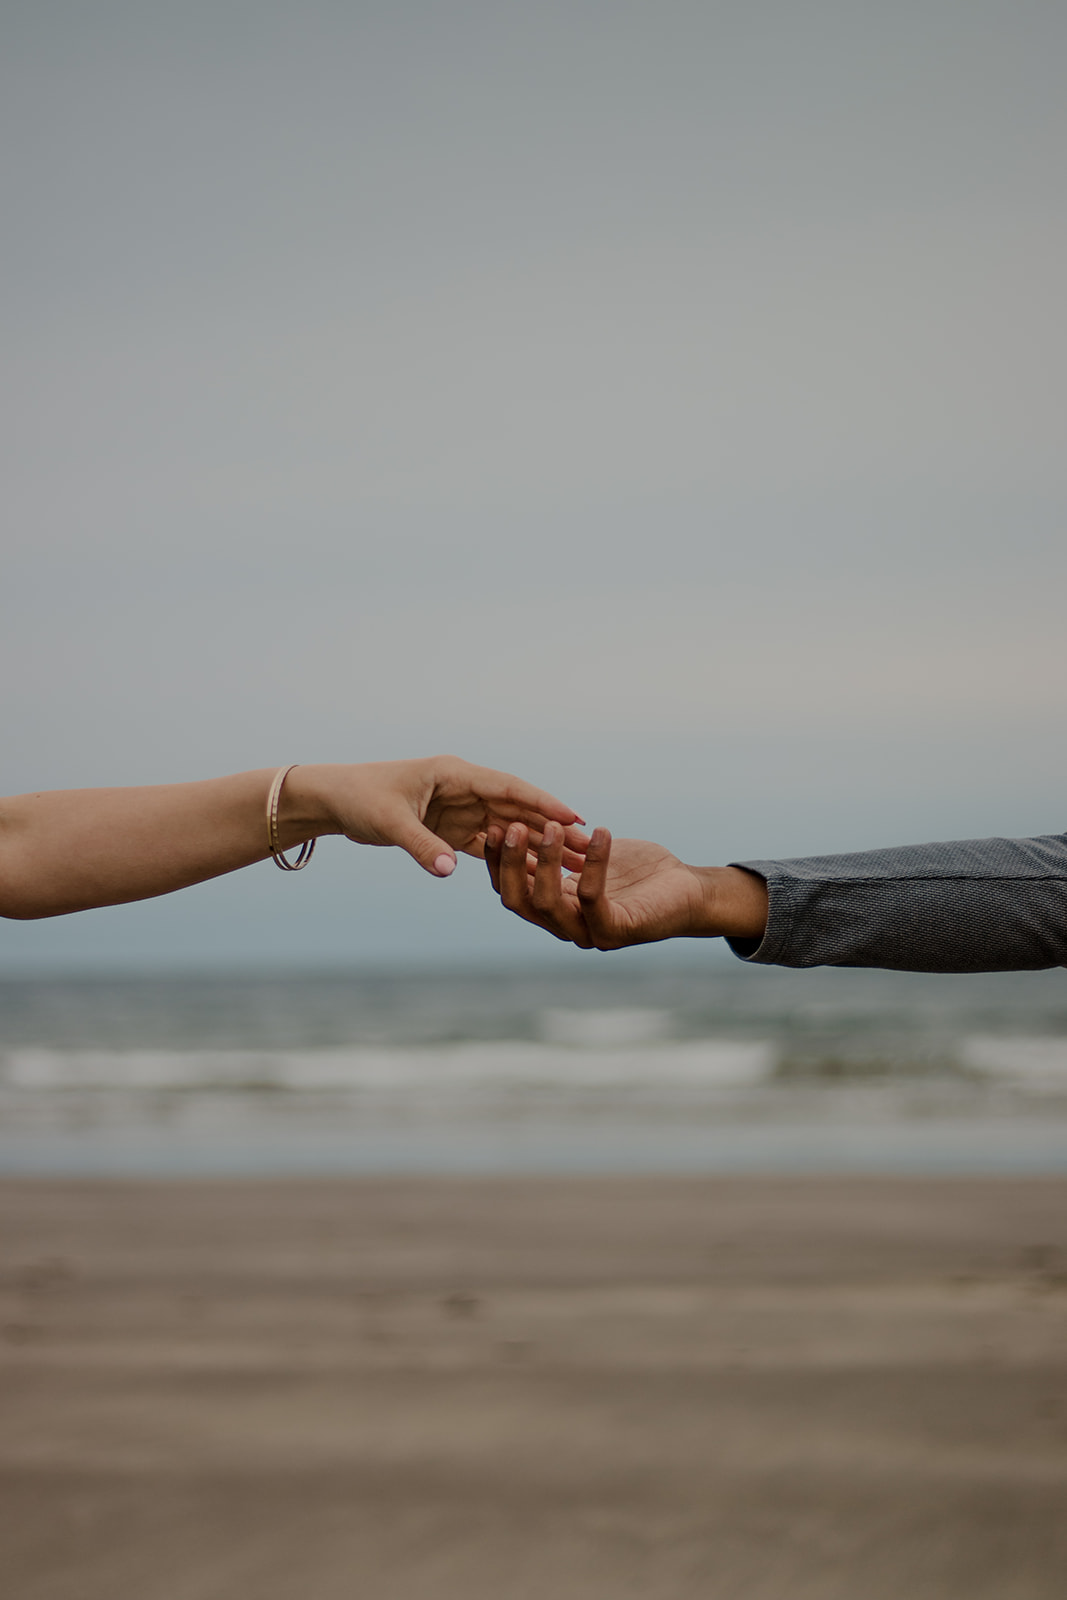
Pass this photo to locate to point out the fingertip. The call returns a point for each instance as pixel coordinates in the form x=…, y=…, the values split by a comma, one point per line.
x=564, y=814
x=445, y=865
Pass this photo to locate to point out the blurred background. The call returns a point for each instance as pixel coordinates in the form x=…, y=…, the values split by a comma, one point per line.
x=663, y=402
x=666, y=404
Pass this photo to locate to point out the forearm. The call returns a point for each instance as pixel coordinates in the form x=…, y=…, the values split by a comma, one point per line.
x=70, y=850
x=978, y=905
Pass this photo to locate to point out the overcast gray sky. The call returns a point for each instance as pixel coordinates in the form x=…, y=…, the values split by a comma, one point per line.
x=665, y=401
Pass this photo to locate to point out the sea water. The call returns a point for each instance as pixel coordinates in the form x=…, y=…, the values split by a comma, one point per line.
x=598, y=1067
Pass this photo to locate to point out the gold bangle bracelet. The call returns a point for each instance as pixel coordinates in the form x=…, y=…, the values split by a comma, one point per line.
x=273, y=842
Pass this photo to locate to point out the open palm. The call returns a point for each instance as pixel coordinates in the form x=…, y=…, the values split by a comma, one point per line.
x=629, y=891
x=636, y=892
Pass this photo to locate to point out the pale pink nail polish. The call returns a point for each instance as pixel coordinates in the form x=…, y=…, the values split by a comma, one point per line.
x=444, y=866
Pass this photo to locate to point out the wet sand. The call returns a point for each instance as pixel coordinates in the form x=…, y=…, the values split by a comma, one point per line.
x=776, y=1390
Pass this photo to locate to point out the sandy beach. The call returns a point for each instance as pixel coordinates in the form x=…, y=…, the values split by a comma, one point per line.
x=589, y=1388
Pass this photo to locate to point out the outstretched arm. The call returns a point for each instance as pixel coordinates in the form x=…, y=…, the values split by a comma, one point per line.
x=69, y=850
x=972, y=905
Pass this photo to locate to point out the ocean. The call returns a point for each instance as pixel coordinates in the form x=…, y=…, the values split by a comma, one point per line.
x=623, y=1068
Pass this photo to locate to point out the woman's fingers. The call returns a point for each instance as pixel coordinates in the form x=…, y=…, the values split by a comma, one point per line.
x=513, y=798
x=472, y=797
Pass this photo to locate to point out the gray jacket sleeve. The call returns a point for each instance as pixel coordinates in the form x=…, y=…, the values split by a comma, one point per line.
x=976, y=905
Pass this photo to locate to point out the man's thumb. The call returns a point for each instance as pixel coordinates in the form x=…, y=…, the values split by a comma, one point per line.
x=432, y=854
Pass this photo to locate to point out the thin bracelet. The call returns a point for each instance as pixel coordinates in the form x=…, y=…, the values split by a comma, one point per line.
x=273, y=842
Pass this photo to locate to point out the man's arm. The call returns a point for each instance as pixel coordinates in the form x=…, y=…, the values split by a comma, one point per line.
x=970, y=905
x=979, y=905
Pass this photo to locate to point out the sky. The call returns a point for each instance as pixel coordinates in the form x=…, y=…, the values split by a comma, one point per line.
x=665, y=402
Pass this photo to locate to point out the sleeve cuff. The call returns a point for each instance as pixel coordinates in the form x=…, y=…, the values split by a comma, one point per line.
x=771, y=948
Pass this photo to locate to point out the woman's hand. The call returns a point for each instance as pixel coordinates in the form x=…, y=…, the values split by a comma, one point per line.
x=431, y=808
x=627, y=892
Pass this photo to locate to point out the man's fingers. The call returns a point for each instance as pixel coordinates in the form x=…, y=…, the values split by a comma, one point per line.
x=494, y=840
x=574, y=842
x=535, y=896
x=593, y=886
x=575, y=839
x=593, y=881
x=514, y=873
x=492, y=845
x=526, y=872
x=547, y=872
x=559, y=915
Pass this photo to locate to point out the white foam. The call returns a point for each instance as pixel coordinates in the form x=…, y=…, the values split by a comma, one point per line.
x=471, y=1066
x=1041, y=1063
x=620, y=1025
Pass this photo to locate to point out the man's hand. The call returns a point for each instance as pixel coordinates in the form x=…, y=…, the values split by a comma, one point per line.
x=628, y=892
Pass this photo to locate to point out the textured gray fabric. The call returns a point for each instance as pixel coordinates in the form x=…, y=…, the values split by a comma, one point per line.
x=975, y=905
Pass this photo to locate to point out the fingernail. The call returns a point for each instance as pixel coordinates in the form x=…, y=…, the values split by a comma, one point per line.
x=444, y=866
x=512, y=838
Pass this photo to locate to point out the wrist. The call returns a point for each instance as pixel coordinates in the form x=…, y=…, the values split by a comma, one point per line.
x=733, y=904
x=305, y=810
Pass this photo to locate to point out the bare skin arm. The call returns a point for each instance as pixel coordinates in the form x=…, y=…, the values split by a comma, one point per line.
x=69, y=850
x=629, y=891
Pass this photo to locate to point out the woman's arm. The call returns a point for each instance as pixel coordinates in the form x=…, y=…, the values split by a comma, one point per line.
x=69, y=850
